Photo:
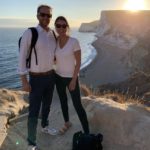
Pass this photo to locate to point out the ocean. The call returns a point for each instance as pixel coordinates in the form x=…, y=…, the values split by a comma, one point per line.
x=9, y=77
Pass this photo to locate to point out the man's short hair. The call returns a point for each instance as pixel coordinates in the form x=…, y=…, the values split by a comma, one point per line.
x=39, y=7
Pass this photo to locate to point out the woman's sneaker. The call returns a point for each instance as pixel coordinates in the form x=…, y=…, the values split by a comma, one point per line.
x=50, y=131
x=32, y=147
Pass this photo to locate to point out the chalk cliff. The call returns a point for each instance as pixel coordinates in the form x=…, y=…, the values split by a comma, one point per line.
x=123, y=46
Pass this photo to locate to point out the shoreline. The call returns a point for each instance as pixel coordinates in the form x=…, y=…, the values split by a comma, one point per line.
x=90, y=49
x=90, y=58
x=84, y=77
x=98, y=52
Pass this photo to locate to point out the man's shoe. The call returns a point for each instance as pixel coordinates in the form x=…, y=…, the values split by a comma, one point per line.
x=50, y=131
x=32, y=147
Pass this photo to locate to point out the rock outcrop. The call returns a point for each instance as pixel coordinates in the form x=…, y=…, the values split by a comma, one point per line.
x=12, y=103
x=89, y=27
x=124, y=126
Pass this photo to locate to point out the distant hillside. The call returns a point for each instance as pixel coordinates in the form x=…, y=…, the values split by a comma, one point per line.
x=89, y=27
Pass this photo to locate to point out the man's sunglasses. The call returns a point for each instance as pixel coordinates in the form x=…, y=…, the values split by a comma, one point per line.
x=64, y=26
x=45, y=15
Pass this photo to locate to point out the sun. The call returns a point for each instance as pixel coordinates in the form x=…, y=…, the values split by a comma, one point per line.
x=135, y=5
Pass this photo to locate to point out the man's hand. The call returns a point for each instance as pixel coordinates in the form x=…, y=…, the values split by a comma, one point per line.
x=25, y=84
x=26, y=87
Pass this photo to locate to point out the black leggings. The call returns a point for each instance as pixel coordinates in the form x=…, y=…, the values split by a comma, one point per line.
x=61, y=84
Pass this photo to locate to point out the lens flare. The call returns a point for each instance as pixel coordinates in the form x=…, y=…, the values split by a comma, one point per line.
x=17, y=142
x=135, y=5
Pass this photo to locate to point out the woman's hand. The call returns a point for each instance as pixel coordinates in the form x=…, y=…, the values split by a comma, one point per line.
x=72, y=84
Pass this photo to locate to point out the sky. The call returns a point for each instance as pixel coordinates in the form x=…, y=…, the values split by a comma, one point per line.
x=20, y=13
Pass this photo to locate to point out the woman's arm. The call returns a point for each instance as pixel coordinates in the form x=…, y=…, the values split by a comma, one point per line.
x=77, y=55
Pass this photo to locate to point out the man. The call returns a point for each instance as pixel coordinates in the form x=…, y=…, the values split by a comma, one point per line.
x=41, y=75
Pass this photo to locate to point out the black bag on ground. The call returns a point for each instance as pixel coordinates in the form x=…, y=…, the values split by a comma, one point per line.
x=82, y=141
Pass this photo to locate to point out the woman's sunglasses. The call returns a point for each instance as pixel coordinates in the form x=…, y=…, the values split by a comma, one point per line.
x=64, y=26
x=45, y=15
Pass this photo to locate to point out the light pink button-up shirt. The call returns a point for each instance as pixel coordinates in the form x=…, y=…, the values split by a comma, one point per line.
x=45, y=48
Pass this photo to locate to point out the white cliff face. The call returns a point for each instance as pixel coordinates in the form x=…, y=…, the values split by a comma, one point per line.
x=89, y=27
x=129, y=31
x=123, y=28
x=122, y=45
x=104, y=26
x=115, y=33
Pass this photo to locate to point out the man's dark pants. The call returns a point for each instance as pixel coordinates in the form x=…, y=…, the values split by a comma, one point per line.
x=42, y=88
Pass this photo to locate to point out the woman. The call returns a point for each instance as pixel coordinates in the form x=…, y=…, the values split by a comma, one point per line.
x=68, y=61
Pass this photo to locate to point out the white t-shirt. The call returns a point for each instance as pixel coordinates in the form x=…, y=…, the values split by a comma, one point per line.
x=65, y=59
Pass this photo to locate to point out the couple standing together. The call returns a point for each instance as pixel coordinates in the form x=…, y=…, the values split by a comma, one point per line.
x=42, y=78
